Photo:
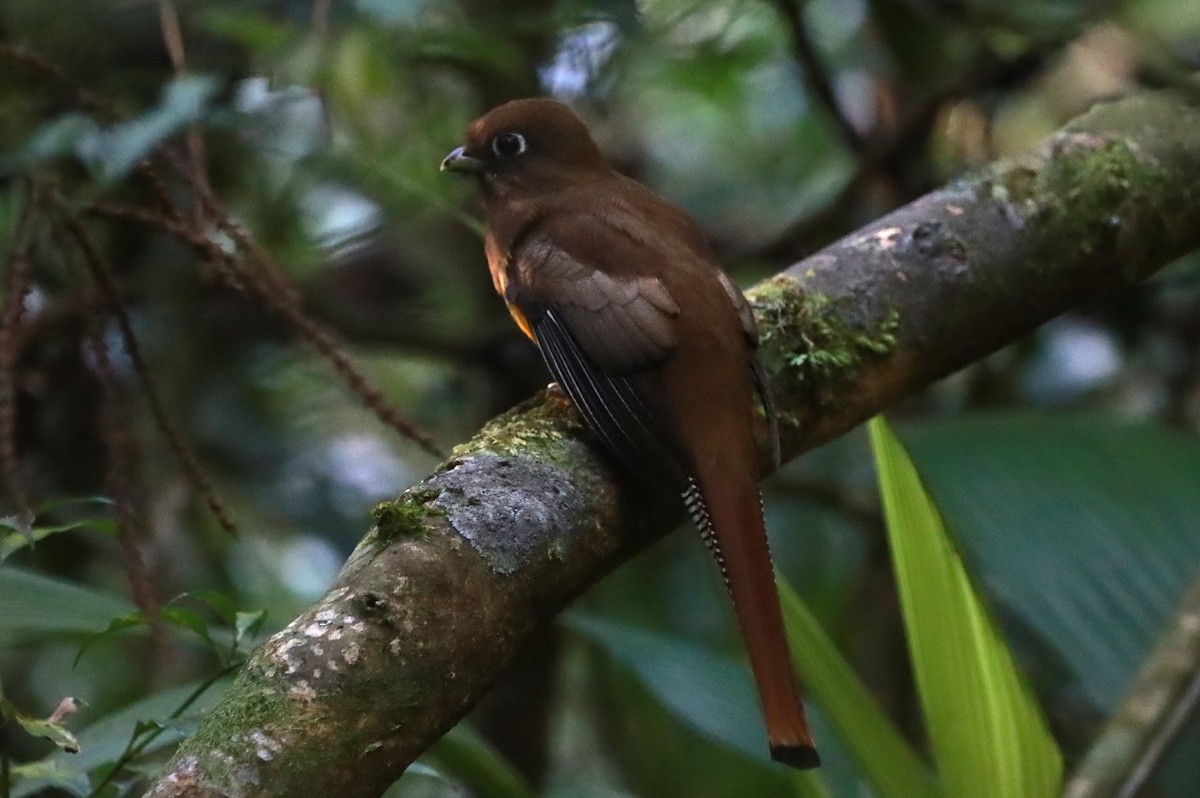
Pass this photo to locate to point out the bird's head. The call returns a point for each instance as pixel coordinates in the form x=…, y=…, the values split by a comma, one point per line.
x=527, y=145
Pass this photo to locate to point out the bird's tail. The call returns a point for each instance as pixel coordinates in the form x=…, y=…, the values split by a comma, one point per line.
x=728, y=513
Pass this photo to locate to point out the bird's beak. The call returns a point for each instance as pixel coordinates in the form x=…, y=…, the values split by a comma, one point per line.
x=458, y=161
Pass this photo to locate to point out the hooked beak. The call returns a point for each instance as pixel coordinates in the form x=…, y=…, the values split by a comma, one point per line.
x=459, y=162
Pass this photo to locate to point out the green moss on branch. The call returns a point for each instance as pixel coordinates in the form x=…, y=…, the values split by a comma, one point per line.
x=808, y=345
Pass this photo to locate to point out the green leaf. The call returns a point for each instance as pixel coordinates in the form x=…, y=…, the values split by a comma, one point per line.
x=1083, y=528
x=186, y=619
x=34, y=604
x=221, y=604
x=472, y=760
x=103, y=741
x=710, y=693
x=23, y=536
x=49, y=729
x=886, y=759
x=988, y=735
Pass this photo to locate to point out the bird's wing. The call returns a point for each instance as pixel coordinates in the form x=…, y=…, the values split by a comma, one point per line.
x=624, y=324
x=600, y=335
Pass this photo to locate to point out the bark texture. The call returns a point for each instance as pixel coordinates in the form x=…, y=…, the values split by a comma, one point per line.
x=459, y=570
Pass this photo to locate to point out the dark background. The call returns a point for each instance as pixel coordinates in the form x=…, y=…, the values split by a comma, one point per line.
x=1066, y=465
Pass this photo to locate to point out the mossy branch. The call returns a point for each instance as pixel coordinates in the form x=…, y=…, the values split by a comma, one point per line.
x=460, y=570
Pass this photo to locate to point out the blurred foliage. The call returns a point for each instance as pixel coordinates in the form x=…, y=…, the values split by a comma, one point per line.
x=296, y=245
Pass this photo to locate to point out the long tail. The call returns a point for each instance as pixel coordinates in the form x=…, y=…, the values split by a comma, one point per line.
x=728, y=513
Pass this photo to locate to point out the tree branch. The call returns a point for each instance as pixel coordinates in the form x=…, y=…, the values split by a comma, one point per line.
x=1162, y=698
x=461, y=569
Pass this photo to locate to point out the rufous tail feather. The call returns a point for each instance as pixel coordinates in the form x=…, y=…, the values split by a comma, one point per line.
x=728, y=514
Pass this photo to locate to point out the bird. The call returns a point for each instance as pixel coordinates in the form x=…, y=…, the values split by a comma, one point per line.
x=651, y=341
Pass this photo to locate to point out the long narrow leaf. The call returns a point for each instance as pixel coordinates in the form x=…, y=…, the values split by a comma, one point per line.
x=989, y=738
x=710, y=693
x=32, y=604
x=886, y=759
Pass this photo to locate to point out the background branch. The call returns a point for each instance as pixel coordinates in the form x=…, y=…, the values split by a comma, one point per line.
x=460, y=570
x=1162, y=698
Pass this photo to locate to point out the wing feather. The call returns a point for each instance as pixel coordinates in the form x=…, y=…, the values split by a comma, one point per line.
x=624, y=325
x=615, y=407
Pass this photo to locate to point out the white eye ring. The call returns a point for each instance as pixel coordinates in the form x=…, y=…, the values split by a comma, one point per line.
x=507, y=145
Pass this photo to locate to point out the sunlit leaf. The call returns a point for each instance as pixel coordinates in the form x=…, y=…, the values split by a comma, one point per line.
x=1083, y=527
x=886, y=759
x=988, y=734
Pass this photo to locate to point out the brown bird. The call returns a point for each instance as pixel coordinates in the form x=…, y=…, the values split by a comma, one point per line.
x=652, y=342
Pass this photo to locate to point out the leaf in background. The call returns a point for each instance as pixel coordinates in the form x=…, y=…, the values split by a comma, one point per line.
x=33, y=604
x=587, y=792
x=465, y=755
x=711, y=694
x=22, y=536
x=288, y=123
x=103, y=741
x=886, y=759
x=186, y=619
x=1084, y=527
x=988, y=735
x=115, y=626
x=50, y=728
x=221, y=604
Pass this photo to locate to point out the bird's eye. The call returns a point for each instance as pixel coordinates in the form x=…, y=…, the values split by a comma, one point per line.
x=507, y=145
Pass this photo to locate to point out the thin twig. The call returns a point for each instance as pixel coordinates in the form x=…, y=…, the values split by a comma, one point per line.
x=39, y=63
x=270, y=282
x=1163, y=696
x=1158, y=745
x=172, y=36
x=889, y=156
x=18, y=281
x=120, y=451
x=269, y=285
x=815, y=76
x=103, y=276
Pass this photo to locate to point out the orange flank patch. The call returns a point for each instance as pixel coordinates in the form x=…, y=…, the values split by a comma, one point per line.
x=521, y=321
